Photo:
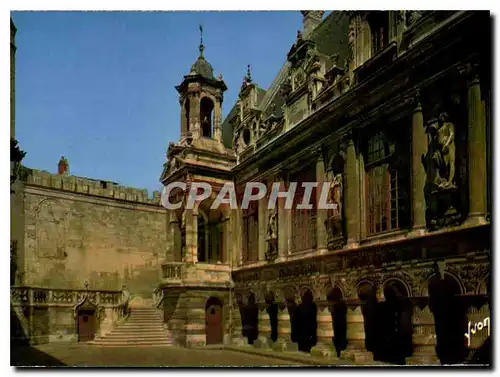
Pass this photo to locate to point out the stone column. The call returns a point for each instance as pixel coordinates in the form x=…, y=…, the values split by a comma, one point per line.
x=262, y=228
x=356, y=350
x=321, y=214
x=424, y=337
x=324, y=333
x=191, y=224
x=284, y=342
x=352, y=196
x=264, y=340
x=477, y=148
x=418, y=149
x=237, y=337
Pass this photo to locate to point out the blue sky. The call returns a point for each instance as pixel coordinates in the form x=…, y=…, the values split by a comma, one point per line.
x=98, y=87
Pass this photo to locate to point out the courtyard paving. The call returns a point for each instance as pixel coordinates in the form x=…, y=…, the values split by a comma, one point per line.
x=82, y=355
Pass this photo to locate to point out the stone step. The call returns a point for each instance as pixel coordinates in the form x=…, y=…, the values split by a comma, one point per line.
x=118, y=345
x=143, y=326
x=132, y=339
x=137, y=334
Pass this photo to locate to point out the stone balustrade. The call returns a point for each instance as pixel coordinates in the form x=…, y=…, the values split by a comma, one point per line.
x=35, y=296
x=189, y=274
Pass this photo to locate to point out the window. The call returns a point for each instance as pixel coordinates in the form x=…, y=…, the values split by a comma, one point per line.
x=386, y=185
x=379, y=27
x=206, y=117
x=251, y=233
x=303, y=220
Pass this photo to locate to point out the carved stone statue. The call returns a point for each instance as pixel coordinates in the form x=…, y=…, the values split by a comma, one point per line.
x=441, y=153
x=272, y=235
x=441, y=199
x=334, y=221
x=272, y=226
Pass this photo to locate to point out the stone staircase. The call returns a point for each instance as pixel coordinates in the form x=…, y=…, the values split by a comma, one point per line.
x=144, y=327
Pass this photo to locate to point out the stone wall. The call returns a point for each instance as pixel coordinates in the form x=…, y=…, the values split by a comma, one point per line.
x=76, y=231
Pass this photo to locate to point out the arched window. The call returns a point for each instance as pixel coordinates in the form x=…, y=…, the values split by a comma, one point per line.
x=210, y=239
x=206, y=108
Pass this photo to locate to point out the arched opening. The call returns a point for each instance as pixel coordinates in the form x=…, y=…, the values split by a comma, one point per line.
x=395, y=328
x=251, y=319
x=210, y=237
x=272, y=310
x=338, y=310
x=367, y=294
x=306, y=318
x=187, y=106
x=213, y=321
x=450, y=318
x=206, y=108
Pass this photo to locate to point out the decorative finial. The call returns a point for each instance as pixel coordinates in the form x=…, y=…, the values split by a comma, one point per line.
x=249, y=74
x=87, y=285
x=201, y=41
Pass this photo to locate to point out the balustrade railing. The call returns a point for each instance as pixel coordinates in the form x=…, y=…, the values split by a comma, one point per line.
x=33, y=296
x=173, y=271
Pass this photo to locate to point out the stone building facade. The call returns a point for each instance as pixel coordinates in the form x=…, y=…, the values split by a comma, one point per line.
x=75, y=242
x=393, y=110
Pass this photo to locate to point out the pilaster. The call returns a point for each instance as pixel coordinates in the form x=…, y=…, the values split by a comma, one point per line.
x=262, y=228
x=321, y=214
x=476, y=147
x=418, y=148
x=352, y=195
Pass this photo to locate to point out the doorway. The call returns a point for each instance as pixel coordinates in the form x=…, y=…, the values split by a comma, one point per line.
x=86, y=325
x=213, y=321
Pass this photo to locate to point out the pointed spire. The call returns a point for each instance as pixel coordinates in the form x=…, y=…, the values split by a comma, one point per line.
x=201, y=48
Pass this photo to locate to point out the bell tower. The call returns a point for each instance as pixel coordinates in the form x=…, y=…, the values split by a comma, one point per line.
x=200, y=98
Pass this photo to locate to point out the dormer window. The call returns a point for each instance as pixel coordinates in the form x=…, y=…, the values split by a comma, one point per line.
x=379, y=28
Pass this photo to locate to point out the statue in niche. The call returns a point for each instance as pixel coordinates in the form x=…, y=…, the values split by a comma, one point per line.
x=440, y=159
x=272, y=235
x=439, y=163
x=272, y=227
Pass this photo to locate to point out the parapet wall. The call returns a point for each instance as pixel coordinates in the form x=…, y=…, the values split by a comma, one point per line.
x=80, y=185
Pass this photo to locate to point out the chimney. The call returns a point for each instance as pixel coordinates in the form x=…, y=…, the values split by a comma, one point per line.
x=311, y=19
x=63, y=167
